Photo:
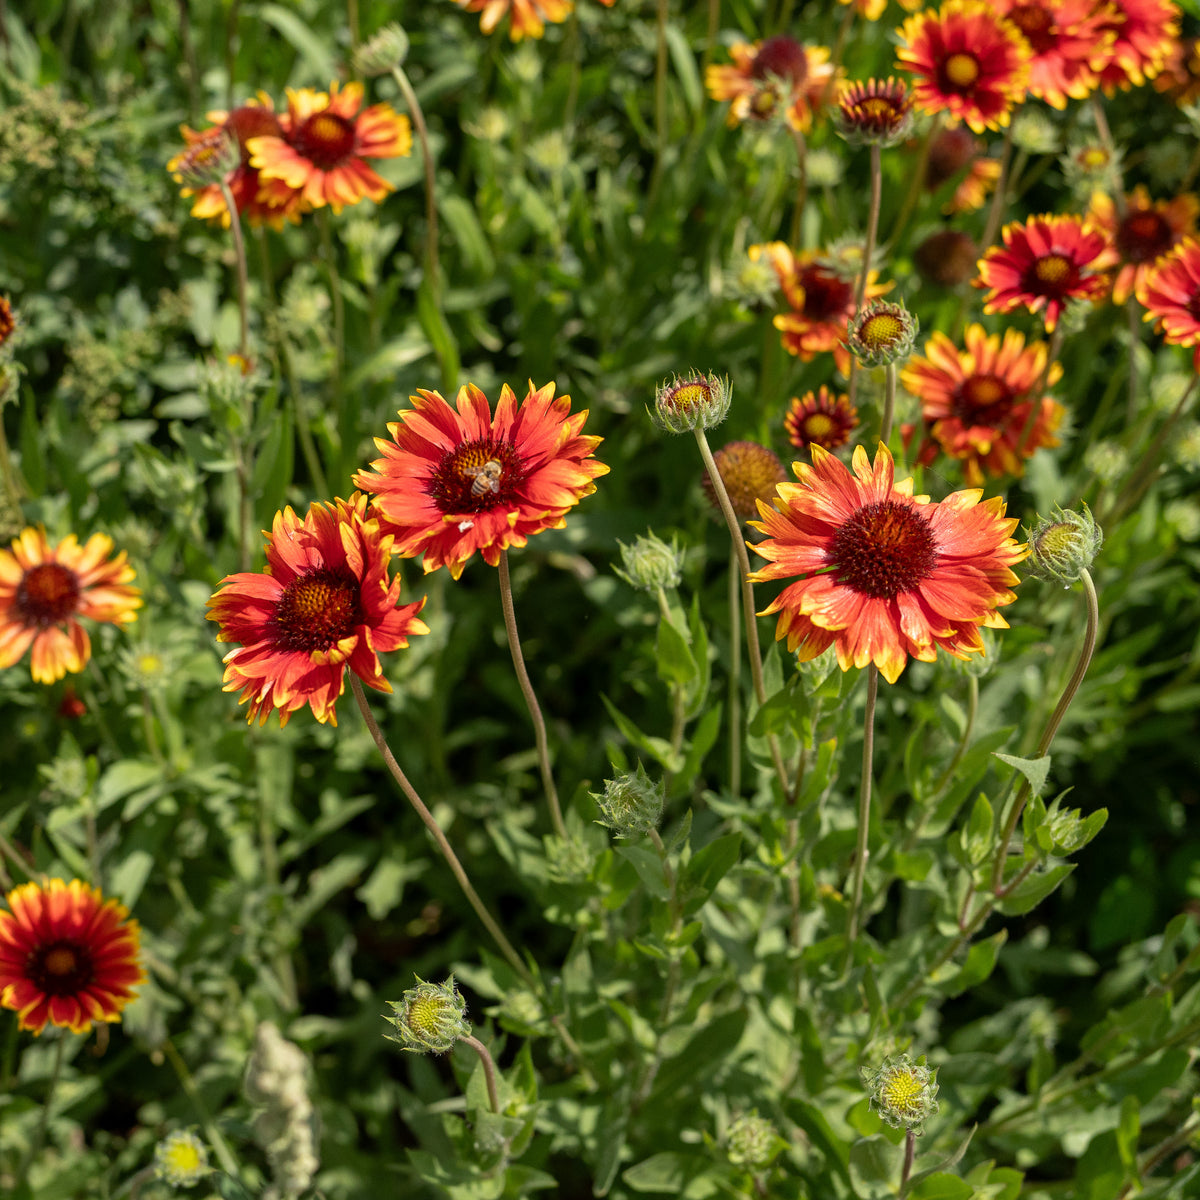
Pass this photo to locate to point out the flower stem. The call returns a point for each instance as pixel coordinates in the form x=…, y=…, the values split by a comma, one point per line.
x=662, y=12
x=748, y=613
x=801, y=188
x=329, y=254
x=431, y=217
x=860, y=290
x=447, y=851
x=916, y=182
x=218, y=1143
x=861, y=852
x=996, y=211
x=531, y=701
x=1081, y=666
x=239, y=253
x=489, y=1069
x=735, y=676
x=910, y=1150
x=889, y=403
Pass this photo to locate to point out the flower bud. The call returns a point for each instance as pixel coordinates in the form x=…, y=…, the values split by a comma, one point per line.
x=753, y=1141
x=209, y=159
x=875, y=113
x=749, y=472
x=1063, y=548
x=386, y=49
x=181, y=1159
x=881, y=333
x=696, y=402
x=650, y=563
x=1034, y=132
x=631, y=804
x=429, y=1018
x=902, y=1092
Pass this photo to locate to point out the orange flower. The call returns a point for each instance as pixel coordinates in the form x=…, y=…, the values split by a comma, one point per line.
x=8, y=322
x=820, y=418
x=1144, y=32
x=1043, y=265
x=68, y=957
x=976, y=185
x=1170, y=293
x=773, y=77
x=529, y=17
x=453, y=483
x=324, y=142
x=967, y=62
x=977, y=402
x=42, y=591
x=883, y=574
x=325, y=602
x=1143, y=235
x=1180, y=76
x=872, y=10
x=1069, y=41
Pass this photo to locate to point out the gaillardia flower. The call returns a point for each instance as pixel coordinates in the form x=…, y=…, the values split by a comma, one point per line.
x=776, y=77
x=877, y=112
x=1147, y=231
x=881, y=574
x=8, y=322
x=325, y=602
x=966, y=61
x=68, y=957
x=749, y=472
x=1069, y=40
x=977, y=402
x=1144, y=32
x=1043, y=265
x=324, y=142
x=1170, y=294
x=529, y=17
x=903, y=1092
x=44, y=590
x=820, y=418
x=453, y=483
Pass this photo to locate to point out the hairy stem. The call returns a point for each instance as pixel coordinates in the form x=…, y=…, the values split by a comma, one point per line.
x=861, y=852
x=489, y=1069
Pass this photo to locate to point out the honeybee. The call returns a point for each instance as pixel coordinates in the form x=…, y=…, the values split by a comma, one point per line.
x=486, y=478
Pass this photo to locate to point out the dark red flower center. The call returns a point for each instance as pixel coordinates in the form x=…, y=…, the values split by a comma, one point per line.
x=875, y=113
x=1051, y=275
x=60, y=968
x=783, y=56
x=1144, y=236
x=47, y=595
x=325, y=139
x=476, y=476
x=1036, y=24
x=317, y=610
x=983, y=400
x=884, y=549
x=826, y=295
x=251, y=121
x=949, y=152
x=959, y=73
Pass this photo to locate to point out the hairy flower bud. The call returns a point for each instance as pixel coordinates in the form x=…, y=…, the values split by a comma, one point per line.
x=385, y=49
x=208, y=160
x=632, y=803
x=902, y=1092
x=696, y=402
x=753, y=1141
x=181, y=1159
x=881, y=333
x=429, y=1018
x=1062, y=548
x=650, y=563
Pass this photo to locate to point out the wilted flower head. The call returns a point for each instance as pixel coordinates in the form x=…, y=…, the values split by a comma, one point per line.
x=903, y=1092
x=946, y=258
x=881, y=333
x=181, y=1159
x=749, y=472
x=875, y=113
x=753, y=1141
x=650, y=563
x=698, y=401
x=1064, y=546
x=387, y=48
x=631, y=804
x=429, y=1018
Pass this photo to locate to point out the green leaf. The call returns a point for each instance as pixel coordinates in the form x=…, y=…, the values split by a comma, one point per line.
x=665, y=1172
x=313, y=49
x=439, y=335
x=977, y=836
x=684, y=62
x=981, y=961
x=1034, y=769
x=941, y=1186
x=475, y=254
x=708, y=866
x=875, y=1168
x=1031, y=892
x=649, y=868
x=673, y=655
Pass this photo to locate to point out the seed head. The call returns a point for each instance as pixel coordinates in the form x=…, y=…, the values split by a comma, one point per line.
x=1062, y=548
x=650, y=563
x=697, y=401
x=429, y=1018
x=749, y=472
x=903, y=1092
x=881, y=333
x=632, y=804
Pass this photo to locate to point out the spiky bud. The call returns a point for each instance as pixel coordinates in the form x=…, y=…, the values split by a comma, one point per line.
x=385, y=49
x=631, y=804
x=753, y=1141
x=902, y=1092
x=875, y=113
x=697, y=401
x=429, y=1018
x=181, y=1159
x=650, y=563
x=881, y=333
x=207, y=160
x=1062, y=548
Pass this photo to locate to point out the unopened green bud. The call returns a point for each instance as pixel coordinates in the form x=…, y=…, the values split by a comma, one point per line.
x=902, y=1092
x=823, y=167
x=1062, y=548
x=1107, y=459
x=429, y=1018
x=1034, y=132
x=650, y=563
x=632, y=803
x=881, y=333
x=753, y=1141
x=695, y=402
x=386, y=49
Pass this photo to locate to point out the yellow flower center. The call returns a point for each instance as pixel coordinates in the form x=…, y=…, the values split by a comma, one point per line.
x=476, y=476
x=979, y=393
x=1093, y=158
x=689, y=396
x=1052, y=268
x=881, y=331
x=47, y=594
x=184, y=1157
x=425, y=1012
x=902, y=1093
x=317, y=610
x=817, y=426
x=749, y=472
x=1058, y=540
x=962, y=70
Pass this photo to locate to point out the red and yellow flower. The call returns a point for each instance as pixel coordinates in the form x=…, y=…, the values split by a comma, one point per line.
x=1147, y=231
x=966, y=61
x=1070, y=41
x=1045, y=263
x=1170, y=293
x=1180, y=75
x=325, y=602
x=453, y=483
x=881, y=574
x=1144, y=32
x=68, y=957
x=978, y=402
x=44, y=590
x=528, y=17
x=872, y=10
x=8, y=323
x=821, y=418
x=324, y=141
x=776, y=77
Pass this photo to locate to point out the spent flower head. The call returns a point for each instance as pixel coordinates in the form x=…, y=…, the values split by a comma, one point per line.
x=181, y=1159
x=650, y=563
x=386, y=49
x=429, y=1018
x=631, y=804
x=1064, y=546
x=902, y=1091
x=697, y=401
x=881, y=333
x=749, y=472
